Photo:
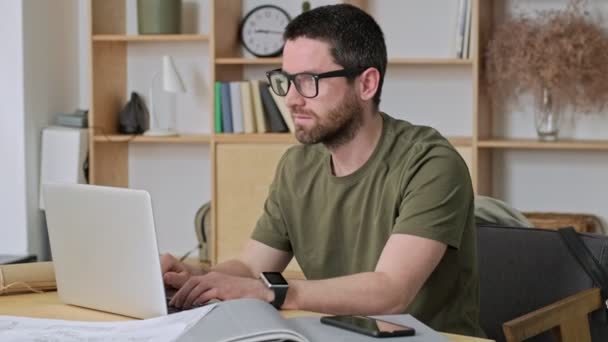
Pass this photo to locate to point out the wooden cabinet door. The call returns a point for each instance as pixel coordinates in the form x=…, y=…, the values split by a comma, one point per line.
x=244, y=173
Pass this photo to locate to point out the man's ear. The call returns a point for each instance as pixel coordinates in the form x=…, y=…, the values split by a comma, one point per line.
x=369, y=81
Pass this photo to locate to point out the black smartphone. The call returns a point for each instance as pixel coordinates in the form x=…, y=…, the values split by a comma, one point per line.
x=369, y=326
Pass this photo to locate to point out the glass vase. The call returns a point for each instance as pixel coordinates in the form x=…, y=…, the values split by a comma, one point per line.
x=546, y=117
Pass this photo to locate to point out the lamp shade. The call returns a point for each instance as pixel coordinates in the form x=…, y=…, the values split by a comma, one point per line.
x=172, y=81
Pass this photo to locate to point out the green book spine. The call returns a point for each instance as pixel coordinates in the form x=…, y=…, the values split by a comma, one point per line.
x=218, y=107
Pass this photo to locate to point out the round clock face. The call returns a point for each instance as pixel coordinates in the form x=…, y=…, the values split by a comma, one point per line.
x=262, y=30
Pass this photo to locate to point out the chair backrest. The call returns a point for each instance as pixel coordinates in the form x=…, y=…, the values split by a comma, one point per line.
x=584, y=223
x=524, y=269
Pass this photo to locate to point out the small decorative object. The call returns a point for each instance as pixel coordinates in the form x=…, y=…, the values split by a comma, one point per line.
x=262, y=30
x=172, y=82
x=305, y=6
x=558, y=57
x=546, y=117
x=132, y=117
x=159, y=16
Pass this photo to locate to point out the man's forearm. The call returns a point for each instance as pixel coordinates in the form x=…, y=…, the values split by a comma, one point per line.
x=234, y=267
x=370, y=293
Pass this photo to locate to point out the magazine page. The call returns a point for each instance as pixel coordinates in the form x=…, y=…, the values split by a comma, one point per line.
x=243, y=320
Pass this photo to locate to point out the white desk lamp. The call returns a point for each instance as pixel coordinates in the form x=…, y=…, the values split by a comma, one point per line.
x=172, y=82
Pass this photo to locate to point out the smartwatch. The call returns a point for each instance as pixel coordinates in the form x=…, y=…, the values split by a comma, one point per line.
x=278, y=284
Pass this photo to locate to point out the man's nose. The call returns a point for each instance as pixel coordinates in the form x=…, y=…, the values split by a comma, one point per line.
x=293, y=98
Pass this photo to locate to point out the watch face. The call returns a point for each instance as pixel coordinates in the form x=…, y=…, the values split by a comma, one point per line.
x=275, y=278
x=262, y=30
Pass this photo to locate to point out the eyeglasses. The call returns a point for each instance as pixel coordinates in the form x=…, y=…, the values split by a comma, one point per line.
x=307, y=84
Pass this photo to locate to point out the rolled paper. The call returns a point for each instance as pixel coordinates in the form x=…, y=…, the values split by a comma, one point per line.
x=27, y=277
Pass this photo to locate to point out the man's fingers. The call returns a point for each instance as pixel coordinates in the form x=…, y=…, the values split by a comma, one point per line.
x=176, y=280
x=206, y=296
x=181, y=295
x=167, y=263
x=193, y=295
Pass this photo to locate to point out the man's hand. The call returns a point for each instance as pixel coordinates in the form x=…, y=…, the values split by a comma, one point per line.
x=197, y=290
x=175, y=273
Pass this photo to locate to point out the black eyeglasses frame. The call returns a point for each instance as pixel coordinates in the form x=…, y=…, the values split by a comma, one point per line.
x=348, y=73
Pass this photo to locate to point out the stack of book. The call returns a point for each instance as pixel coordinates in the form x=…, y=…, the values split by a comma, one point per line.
x=463, y=42
x=250, y=107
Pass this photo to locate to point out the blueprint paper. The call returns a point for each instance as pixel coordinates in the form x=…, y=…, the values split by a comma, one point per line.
x=165, y=328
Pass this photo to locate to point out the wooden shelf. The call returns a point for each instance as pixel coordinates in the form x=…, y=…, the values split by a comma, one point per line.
x=429, y=61
x=248, y=61
x=290, y=139
x=461, y=141
x=150, y=38
x=530, y=144
x=392, y=61
x=126, y=138
x=238, y=138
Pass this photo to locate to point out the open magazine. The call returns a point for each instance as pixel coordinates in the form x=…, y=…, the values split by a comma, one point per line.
x=252, y=320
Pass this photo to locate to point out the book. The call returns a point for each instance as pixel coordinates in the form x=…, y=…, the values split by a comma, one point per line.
x=280, y=102
x=275, y=119
x=460, y=28
x=258, y=109
x=226, y=108
x=79, y=119
x=247, y=108
x=253, y=320
x=237, y=109
x=467, y=30
x=218, y=107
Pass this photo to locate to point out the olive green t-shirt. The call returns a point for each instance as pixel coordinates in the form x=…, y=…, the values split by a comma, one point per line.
x=414, y=183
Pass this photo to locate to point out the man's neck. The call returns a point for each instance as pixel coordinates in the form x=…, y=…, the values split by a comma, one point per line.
x=350, y=157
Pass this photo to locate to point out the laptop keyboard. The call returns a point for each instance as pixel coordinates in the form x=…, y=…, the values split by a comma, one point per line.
x=172, y=309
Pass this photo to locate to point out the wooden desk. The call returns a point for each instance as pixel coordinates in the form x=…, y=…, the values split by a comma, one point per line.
x=48, y=305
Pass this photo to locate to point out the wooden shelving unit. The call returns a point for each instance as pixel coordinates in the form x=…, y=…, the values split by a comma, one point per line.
x=141, y=139
x=392, y=61
x=247, y=61
x=280, y=138
x=529, y=144
x=242, y=165
x=155, y=38
x=429, y=61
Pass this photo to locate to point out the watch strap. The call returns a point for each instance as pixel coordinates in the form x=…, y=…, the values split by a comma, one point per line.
x=280, y=293
x=280, y=290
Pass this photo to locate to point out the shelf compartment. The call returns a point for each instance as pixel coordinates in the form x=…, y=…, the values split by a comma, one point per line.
x=429, y=61
x=127, y=138
x=289, y=138
x=461, y=141
x=238, y=138
x=247, y=61
x=150, y=38
x=530, y=144
x=392, y=61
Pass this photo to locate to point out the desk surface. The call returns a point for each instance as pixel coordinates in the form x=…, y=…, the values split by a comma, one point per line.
x=48, y=305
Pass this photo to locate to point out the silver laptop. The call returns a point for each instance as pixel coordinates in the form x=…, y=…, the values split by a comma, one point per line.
x=104, y=249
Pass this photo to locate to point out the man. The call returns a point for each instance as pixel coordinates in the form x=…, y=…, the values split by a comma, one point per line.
x=377, y=212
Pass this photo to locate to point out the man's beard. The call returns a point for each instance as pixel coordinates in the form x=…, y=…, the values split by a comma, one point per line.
x=336, y=128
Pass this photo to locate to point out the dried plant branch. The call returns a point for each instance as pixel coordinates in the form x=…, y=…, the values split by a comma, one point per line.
x=563, y=51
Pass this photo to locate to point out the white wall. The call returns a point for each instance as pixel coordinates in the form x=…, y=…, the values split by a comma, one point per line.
x=13, y=229
x=39, y=68
x=50, y=52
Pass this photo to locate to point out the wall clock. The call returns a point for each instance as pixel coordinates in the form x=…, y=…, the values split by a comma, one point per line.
x=262, y=30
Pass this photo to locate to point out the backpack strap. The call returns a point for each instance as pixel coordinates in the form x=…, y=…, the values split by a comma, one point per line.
x=583, y=255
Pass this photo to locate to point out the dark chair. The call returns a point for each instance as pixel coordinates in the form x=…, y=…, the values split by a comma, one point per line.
x=526, y=269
